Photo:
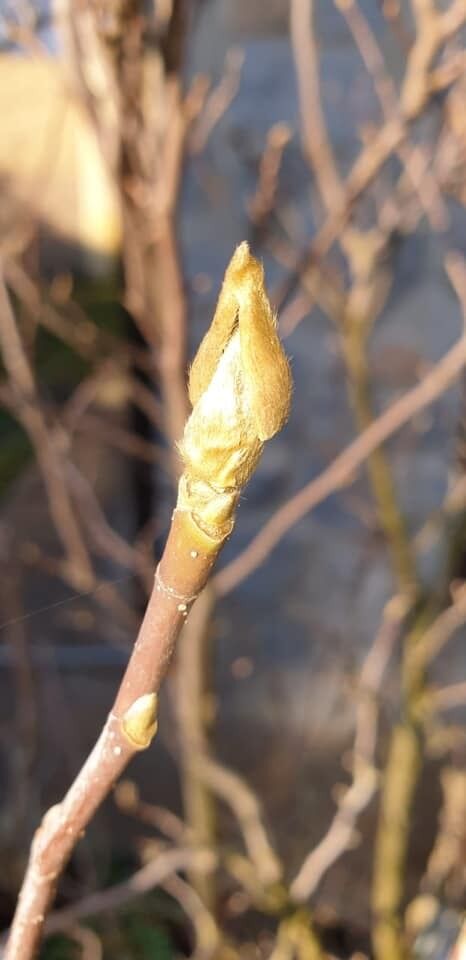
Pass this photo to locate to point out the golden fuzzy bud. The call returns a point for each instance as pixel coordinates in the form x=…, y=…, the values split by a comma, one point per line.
x=139, y=722
x=240, y=387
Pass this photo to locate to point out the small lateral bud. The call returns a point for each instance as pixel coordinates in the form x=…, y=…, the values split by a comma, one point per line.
x=139, y=722
x=240, y=387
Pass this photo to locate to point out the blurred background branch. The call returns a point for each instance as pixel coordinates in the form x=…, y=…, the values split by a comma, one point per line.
x=141, y=142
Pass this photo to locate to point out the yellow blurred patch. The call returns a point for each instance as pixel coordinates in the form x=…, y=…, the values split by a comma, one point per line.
x=50, y=157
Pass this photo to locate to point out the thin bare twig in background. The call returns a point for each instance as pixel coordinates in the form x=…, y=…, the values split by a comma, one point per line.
x=401, y=776
x=316, y=141
x=228, y=785
x=364, y=785
x=446, y=860
x=194, y=712
x=23, y=746
x=49, y=456
x=442, y=629
x=448, y=698
x=343, y=468
x=433, y=29
x=207, y=933
x=106, y=540
x=416, y=91
x=218, y=101
x=262, y=203
x=128, y=800
x=90, y=943
x=148, y=182
x=151, y=875
x=418, y=171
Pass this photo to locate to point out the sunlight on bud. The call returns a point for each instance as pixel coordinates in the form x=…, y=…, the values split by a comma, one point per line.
x=139, y=723
x=240, y=387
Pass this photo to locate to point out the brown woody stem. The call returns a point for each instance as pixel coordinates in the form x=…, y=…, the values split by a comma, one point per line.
x=238, y=376
x=185, y=566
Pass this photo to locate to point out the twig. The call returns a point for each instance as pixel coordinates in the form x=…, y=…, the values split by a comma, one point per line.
x=83, y=336
x=238, y=795
x=356, y=316
x=218, y=101
x=343, y=468
x=432, y=30
x=416, y=90
x=222, y=380
x=401, y=775
x=110, y=543
x=425, y=185
x=296, y=938
x=113, y=435
x=316, y=142
x=365, y=298
x=23, y=752
x=90, y=943
x=49, y=457
x=262, y=203
x=193, y=701
x=446, y=856
x=442, y=628
x=365, y=778
x=447, y=698
x=126, y=796
x=151, y=875
x=207, y=933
